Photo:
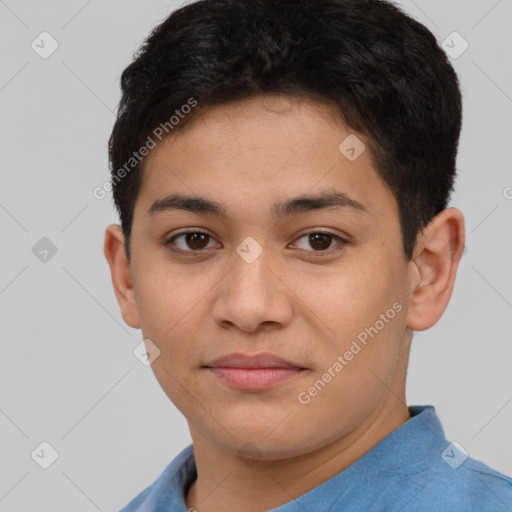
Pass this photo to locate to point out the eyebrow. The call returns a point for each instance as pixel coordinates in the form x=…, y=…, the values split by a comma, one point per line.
x=300, y=204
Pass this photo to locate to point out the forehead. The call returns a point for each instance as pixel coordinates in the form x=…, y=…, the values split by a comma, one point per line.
x=262, y=149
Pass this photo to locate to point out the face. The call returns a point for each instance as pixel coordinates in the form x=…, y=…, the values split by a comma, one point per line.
x=320, y=282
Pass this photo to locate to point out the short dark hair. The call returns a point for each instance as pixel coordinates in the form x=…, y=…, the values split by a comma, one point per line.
x=383, y=71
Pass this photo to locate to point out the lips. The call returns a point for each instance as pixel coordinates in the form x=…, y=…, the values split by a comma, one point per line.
x=258, y=372
x=262, y=360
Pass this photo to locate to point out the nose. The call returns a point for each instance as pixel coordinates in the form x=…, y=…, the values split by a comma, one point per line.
x=253, y=294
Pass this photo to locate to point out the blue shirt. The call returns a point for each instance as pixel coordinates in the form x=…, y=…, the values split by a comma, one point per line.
x=412, y=469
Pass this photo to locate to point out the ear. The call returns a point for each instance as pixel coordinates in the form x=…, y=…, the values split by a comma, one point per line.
x=433, y=267
x=120, y=271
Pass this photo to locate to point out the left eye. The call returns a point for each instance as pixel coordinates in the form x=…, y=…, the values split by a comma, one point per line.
x=321, y=241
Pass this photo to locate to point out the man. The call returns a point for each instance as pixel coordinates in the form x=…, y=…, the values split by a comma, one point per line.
x=282, y=172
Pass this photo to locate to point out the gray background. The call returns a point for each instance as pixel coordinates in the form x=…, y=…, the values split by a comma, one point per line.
x=67, y=372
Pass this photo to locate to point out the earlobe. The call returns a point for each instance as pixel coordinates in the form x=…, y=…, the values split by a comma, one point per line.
x=433, y=268
x=115, y=254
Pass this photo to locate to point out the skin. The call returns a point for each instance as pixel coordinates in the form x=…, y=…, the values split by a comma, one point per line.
x=258, y=450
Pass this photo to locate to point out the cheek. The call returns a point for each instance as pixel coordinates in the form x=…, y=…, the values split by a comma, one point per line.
x=172, y=311
x=165, y=299
x=358, y=322
x=354, y=377
x=344, y=303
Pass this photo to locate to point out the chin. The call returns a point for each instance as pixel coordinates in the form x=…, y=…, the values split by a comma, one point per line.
x=260, y=442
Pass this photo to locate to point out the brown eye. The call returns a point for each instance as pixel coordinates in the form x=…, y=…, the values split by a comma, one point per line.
x=196, y=240
x=190, y=241
x=320, y=242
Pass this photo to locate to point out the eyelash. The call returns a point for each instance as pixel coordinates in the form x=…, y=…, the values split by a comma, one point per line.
x=168, y=243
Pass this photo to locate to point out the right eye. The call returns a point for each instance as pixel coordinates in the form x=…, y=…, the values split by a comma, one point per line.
x=197, y=241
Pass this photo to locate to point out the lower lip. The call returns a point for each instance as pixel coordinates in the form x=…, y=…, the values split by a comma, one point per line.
x=255, y=379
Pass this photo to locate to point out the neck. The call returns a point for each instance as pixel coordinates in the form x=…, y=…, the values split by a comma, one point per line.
x=226, y=483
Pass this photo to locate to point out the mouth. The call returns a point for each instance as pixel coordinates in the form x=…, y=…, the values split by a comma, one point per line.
x=254, y=372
